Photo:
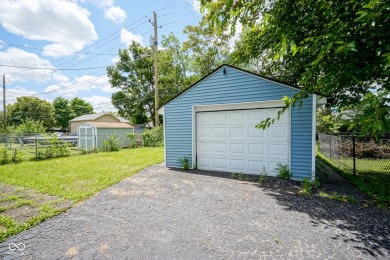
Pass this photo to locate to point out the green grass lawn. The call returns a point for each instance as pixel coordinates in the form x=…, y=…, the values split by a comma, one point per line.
x=78, y=177
x=372, y=176
x=33, y=191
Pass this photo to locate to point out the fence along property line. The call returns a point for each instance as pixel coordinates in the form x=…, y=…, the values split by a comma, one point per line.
x=30, y=146
x=356, y=153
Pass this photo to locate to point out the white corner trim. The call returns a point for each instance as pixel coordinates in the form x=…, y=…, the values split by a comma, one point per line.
x=193, y=136
x=313, y=159
x=165, y=137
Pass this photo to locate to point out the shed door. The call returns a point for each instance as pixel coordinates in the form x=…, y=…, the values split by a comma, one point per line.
x=228, y=141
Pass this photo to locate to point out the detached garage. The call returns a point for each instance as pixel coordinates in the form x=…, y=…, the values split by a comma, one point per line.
x=213, y=124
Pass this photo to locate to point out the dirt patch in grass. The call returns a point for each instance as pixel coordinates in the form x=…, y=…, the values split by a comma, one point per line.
x=21, y=214
x=22, y=208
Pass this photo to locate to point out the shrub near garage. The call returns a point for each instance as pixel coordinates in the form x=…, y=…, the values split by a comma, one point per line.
x=154, y=137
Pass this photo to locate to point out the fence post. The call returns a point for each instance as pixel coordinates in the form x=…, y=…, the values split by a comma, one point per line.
x=354, y=155
x=36, y=148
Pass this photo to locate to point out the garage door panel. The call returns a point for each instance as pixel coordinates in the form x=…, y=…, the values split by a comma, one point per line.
x=278, y=133
x=256, y=149
x=220, y=163
x=254, y=132
x=205, y=147
x=255, y=116
x=203, y=131
x=204, y=162
x=219, y=117
x=237, y=117
x=237, y=165
x=255, y=166
x=277, y=149
x=237, y=132
x=228, y=141
x=220, y=131
x=220, y=148
x=237, y=148
x=203, y=118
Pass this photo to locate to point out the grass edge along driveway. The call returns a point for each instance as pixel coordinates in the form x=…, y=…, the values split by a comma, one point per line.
x=31, y=192
x=79, y=177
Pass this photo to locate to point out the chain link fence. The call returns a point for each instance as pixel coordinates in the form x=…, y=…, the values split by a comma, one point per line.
x=22, y=147
x=355, y=153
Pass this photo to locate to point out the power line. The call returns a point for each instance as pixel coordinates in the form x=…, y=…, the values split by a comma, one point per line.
x=36, y=68
x=107, y=37
x=42, y=49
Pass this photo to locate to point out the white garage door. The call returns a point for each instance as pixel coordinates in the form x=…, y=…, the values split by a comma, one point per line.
x=228, y=141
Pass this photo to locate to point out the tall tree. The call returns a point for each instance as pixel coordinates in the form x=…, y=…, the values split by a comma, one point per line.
x=80, y=107
x=31, y=108
x=207, y=48
x=339, y=48
x=63, y=112
x=133, y=75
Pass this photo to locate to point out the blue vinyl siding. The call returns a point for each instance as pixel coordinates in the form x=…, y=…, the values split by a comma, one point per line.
x=236, y=87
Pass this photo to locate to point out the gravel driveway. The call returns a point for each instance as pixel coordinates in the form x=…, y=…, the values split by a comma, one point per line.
x=165, y=214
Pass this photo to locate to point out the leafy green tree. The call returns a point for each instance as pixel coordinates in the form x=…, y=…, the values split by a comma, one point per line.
x=326, y=121
x=29, y=127
x=80, y=107
x=372, y=114
x=31, y=108
x=63, y=112
x=133, y=76
x=207, y=49
x=339, y=48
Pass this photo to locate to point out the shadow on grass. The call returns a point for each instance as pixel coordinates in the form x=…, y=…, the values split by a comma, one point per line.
x=369, y=227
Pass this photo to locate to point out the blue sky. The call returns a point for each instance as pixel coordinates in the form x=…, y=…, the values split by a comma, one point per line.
x=48, y=33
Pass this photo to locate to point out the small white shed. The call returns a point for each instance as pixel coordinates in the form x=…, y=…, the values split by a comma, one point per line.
x=92, y=134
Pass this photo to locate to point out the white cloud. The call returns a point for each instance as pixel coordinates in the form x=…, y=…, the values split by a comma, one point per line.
x=64, y=23
x=13, y=93
x=17, y=57
x=128, y=37
x=83, y=83
x=115, y=14
x=111, y=11
x=195, y=5
x=100, y=103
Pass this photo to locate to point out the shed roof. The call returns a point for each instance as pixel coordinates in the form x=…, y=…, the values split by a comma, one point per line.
x=109, y=124
x=92, y=117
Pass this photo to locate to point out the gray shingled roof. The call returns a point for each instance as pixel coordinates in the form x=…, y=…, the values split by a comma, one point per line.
x=92, y=117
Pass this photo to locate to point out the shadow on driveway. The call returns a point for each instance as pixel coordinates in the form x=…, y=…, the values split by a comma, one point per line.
x=361, y=226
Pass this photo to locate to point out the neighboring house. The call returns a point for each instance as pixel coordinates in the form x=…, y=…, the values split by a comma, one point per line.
x=91, y=135
x=213, y=124
x=103, y=117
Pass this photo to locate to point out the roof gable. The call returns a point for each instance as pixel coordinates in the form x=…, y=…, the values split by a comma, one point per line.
x=224, y=66
x=93, y=117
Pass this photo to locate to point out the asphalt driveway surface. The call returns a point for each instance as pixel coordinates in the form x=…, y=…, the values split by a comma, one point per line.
x=166, y=214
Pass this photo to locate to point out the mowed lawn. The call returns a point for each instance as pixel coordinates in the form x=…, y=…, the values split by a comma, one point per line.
x=78, y=177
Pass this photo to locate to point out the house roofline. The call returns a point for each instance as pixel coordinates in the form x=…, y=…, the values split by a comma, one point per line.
x=103, y=114
x=239, y=69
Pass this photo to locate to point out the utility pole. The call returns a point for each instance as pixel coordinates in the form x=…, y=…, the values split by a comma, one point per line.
x=4, y=106
x=156, y=99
